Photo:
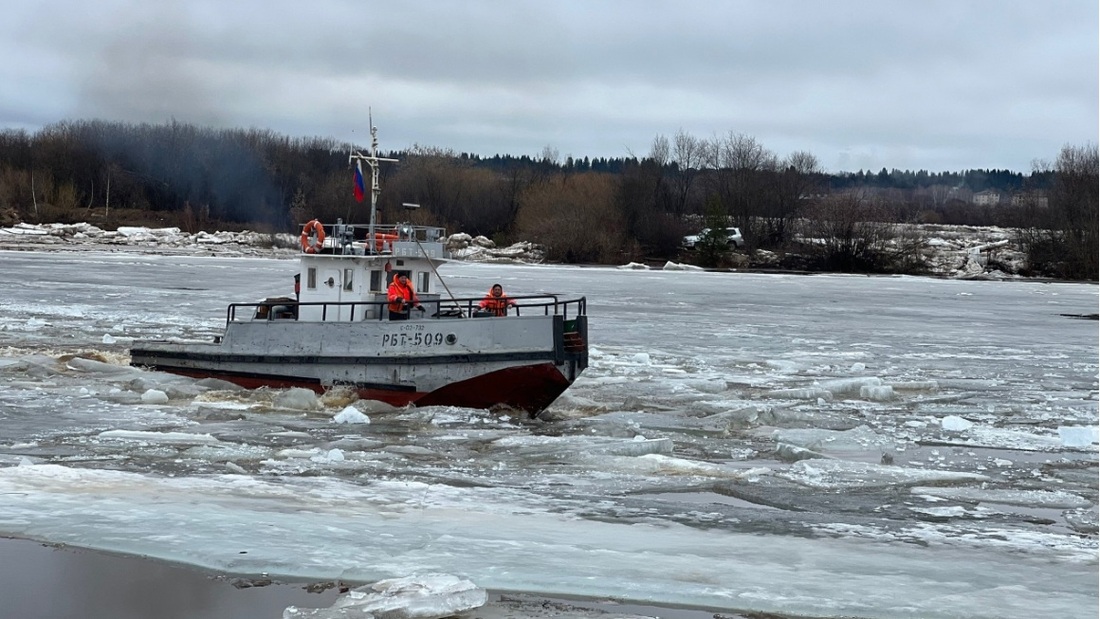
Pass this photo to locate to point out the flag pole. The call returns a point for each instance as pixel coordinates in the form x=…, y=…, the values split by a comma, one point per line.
x=372, y=160
x=373, y=176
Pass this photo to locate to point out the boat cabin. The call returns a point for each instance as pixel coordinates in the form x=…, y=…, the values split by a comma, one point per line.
x=346, y=270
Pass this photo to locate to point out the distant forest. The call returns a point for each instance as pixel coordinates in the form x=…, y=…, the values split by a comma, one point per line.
x=584, y=210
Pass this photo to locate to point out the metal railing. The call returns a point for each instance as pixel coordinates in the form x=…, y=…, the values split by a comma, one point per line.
x=343, y=237
x=445, y=309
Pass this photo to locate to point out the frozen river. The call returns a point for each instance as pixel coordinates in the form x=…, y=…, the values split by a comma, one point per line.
x=823, y=446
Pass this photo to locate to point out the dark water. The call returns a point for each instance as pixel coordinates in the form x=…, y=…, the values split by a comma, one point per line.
x=38, y=581
x=41, y=581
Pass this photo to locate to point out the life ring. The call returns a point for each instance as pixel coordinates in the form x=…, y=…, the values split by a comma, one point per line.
x=313, y=229
x=380, y=241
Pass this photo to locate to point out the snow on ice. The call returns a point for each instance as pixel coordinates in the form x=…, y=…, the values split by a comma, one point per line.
x=819, y=446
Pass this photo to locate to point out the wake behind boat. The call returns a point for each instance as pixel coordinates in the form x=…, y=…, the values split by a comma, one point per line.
x=341, y=328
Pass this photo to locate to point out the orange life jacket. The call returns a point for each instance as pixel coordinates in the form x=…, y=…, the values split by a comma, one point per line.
x=497, y=305
x=399, y=294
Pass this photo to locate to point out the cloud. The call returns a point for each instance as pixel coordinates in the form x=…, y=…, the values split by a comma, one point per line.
x=908, y=84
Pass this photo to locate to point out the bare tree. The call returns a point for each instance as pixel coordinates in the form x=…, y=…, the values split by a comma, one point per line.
x=688, y=155
x=795, y=185
x=740, y=179
x=641, y=198
x=660, y=151
x=575, y=219
x=1062, y=239
x=849, y=234
x=550, y=155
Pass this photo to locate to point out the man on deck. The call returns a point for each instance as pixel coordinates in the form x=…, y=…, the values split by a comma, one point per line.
x=401, y=297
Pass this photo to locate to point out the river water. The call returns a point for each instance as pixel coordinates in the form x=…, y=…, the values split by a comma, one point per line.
x=807, y=445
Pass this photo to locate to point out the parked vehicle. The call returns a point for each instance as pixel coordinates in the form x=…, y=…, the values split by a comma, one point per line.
x=733, y=238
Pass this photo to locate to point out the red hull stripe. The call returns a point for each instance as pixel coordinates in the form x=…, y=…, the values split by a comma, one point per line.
x=530, y=388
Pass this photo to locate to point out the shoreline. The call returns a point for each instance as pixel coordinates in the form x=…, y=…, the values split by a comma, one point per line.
x=957, y=255
x=41, y=580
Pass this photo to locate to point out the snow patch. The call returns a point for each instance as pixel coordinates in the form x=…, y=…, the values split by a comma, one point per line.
x=427, y=596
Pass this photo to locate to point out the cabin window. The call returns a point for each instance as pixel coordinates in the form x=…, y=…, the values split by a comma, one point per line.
x=311, y=278
x=422, y=285
x=376, y=281
x=348, y=273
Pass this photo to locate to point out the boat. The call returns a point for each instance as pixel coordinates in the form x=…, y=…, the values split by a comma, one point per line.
x=337, y=330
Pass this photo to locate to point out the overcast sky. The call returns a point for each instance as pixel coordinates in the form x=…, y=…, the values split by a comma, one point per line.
x=861, y=84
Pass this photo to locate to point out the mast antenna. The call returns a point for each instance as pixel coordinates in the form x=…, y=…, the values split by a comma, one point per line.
x=372, y=160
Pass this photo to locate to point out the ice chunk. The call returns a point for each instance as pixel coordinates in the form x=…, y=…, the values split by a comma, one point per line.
x=623, y=423
x=785, y=366
x=298, y=398
x=725, y=420
x=154, y=396
x=164, y=438
x=839, y=386
x=676, y=266
x=553, y=447
x=655, y=464
x=837, y=474
x=914, y=385
x=572, y=401
x=861, y=438
x=807, y=393
x=375, y=407
x=878, y=393
x=228, y=452
x=794, y=453
x=707, y=385
x=1028, y=498
x=1082, y=520
x=332, y=455
x=351, y=415
x=91, y=365
x=1078, y=436
x=108, y=338
x=638, y=446
x=954, y=423
x=429, y=596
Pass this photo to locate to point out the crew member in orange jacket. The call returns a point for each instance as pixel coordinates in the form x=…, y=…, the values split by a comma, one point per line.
x=496, y=301
x=401, y=297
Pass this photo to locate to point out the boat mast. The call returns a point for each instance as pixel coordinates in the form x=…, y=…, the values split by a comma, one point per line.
x=372, y=160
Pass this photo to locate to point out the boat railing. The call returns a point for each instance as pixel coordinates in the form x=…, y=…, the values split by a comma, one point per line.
x=356, y=238
x=525, y=305
x=357, y=311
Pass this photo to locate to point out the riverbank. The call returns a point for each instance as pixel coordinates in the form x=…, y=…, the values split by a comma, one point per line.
x=959, y=252
x=44, y=581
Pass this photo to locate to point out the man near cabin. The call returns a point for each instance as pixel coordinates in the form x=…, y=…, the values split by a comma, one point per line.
x=402, y=297
x=496, y=301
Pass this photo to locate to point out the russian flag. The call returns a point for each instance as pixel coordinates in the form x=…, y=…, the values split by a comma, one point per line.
x=360, y=188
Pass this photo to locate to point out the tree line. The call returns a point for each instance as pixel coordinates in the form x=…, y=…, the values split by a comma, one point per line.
x=583, y=210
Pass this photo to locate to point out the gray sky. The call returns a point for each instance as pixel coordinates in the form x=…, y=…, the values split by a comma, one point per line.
x=861, y=84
